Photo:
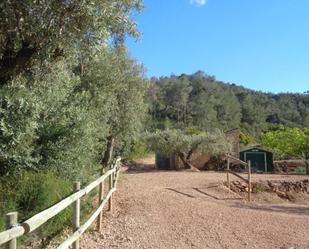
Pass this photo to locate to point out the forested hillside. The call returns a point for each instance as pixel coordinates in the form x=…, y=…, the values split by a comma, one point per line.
x=201, y=101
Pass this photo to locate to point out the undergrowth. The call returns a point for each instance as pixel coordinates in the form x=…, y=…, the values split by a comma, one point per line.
x=30, y=193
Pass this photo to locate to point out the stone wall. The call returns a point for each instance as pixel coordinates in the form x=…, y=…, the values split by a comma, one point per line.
x=288, y=166
x=232, y=137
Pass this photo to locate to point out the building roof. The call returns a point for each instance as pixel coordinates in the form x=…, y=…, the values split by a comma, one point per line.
x=255, y=148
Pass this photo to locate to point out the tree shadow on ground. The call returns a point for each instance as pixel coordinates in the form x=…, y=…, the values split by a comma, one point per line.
x=136, y=168
x=297, y=210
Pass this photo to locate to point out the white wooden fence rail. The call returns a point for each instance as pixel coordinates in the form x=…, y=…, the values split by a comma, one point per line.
x=8, y=238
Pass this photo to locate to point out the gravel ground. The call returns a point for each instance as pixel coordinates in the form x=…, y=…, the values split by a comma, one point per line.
x=156, y=209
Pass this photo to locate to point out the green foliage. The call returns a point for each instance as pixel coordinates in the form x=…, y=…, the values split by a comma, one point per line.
x=292, y=142
x=117, y=106
x=289, y=142
x=139, y=150
x=245, y=138
x=67, y=84
x=170, y=142
x=30, y=193
x=58, y=120
x=65, y=87
x=33, y=31
x=202, y=101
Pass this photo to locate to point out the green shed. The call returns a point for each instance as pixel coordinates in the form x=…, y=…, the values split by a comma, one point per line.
x=261, y=160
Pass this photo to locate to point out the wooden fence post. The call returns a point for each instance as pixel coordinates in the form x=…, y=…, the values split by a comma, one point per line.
x=101, y=198
x=110, y=201
x=115, y=175
x=11, y=220
x=76, y=214
x=228, y=173
x=249, y=180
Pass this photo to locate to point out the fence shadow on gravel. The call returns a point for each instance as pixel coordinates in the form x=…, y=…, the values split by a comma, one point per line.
x=217, y=198
x=179, y=192
x=297, y=210
x=203, y=192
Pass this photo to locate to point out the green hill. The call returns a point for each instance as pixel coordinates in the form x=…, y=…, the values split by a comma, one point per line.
x=201, y=101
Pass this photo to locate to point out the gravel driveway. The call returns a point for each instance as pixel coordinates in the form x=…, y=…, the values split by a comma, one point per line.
x=155, y=209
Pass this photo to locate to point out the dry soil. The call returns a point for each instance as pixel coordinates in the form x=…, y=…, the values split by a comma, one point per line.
x=157, y=209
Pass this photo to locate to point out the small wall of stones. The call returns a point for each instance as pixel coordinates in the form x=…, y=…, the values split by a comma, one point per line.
x=283, y=189
x=287, y=166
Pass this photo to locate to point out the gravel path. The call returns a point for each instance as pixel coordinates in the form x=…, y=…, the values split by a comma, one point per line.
x=155, y=209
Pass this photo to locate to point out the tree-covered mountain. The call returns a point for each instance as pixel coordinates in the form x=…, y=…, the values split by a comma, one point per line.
x=201, y=101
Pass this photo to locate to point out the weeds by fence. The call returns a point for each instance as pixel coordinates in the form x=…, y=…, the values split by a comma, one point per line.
x=8, y=238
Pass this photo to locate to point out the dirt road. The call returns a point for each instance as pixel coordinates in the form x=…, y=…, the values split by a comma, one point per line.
x=193, y=210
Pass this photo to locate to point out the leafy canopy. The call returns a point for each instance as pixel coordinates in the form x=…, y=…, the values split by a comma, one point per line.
x=291, y=142
x=170, y=142
x=34, y=31
x=67, y=84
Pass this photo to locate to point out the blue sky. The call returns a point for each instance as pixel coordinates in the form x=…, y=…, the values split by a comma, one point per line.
x=260, y=44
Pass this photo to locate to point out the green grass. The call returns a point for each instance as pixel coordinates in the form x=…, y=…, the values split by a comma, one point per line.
x=30, y=193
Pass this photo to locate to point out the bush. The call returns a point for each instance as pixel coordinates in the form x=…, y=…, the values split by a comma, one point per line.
x=29, y=193
x=246, y=138
x=139, y=150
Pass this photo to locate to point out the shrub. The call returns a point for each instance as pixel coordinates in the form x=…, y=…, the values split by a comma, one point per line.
x=29, y=193
x=138, y=150
x=246, y=138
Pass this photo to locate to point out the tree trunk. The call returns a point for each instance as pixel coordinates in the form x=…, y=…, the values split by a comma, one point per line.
x=189, y=155
x=108, y=152
x=185, y=161
x=105, y=161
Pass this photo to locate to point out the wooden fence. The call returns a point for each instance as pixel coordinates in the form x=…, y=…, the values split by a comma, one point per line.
x=229, y=171
x=14, y=230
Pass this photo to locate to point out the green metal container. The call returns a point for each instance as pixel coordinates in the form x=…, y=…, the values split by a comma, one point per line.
x=261, y=160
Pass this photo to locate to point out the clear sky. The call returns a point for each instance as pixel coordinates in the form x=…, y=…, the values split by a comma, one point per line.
x=260, y=44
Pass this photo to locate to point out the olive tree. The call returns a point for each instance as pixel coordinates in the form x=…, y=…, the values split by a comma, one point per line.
x=37, y=31
x=170, y=142
x=116, y=87
x=65, y=88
